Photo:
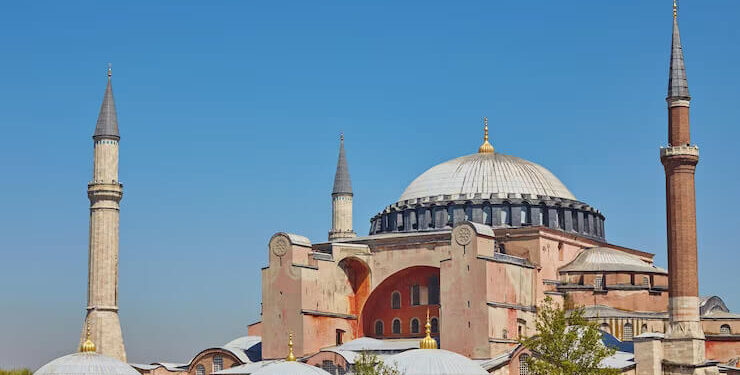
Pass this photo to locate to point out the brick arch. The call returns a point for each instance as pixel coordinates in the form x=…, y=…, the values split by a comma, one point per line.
x=378, y=304
x=358, y=277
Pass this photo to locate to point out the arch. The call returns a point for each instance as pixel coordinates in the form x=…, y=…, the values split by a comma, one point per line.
x=378, y=328
x=643, y=328
x=414, y=325
x=396, y=300
x=396, y=326
x=380, y=303
x=725, y=329
x=358, y=277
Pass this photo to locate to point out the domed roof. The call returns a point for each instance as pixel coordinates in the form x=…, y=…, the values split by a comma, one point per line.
x=487, y=174
x=86, y=363
x=289, y=368
x=434, y=362
x=607, y=259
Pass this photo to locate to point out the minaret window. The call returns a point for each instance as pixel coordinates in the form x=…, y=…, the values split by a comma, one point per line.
x=218, y=363
x=396, y=300
x=396, y=326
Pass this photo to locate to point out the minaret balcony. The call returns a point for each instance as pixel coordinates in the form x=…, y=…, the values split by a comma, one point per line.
x=685, y=150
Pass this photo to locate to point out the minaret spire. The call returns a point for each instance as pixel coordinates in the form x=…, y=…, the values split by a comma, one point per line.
x=107, y=125
x=341, y=198
x=678, y=86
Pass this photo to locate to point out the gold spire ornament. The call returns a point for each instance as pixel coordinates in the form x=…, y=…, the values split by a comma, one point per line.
x=428, y=342
x=485, y=148
x=88, y=346
x=291, y=356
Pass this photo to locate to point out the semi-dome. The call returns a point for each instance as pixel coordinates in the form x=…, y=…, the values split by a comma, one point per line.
x=598, y=259
x=434, y=362
x=86, y=363
x=487, y=174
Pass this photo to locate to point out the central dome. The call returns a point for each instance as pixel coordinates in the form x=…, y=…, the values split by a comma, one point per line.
x=487, y=174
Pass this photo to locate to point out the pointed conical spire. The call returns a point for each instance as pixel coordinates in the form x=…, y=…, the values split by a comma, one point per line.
x=107, y=120
x=678, y=86
x=342, y=182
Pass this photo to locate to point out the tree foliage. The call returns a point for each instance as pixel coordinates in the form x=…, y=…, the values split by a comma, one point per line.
x=566, y=344
x=18, y=371
x=370, y=364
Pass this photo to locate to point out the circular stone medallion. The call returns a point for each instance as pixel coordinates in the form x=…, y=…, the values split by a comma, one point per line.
x=280, y=246
x=463, y=235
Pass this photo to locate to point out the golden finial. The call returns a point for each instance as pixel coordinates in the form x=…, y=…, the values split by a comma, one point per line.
x=675, y=9
x=428, y=342
x=486, y=147
x=291, y=356
x=110, y=70
x=88, y=346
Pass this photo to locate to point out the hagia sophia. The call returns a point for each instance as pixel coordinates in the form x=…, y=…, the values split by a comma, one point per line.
x=448, y=278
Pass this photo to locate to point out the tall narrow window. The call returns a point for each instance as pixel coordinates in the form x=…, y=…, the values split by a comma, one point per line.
x=524, y=216
x=396, y=326
x=218, y=363
x=339, y=336
x=627, y=335
x=523, y=366
x=200, y=370
x=414, y=325
x=396, y=300
x=415, y=295
x=435, y=325
x=378, y=329
x=433, y=290
x=725, y=330
x=505, y=214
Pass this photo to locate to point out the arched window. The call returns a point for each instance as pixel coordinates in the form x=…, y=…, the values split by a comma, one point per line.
x=627, y=335
x=396, y=326
x=643, y=328
x=523, y=366
x=524, y=216
x=505, y=334
x=605, y=327
x=574, y=220
x=414, y=325
x=505, y=214
x=200, y=370
x=218, y=363
x=725, y=330
x=379, y=328
x=396, y=300
x=435, y=325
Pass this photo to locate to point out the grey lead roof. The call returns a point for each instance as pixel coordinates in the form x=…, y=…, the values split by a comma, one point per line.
x=678, y=86
x=107, y=120
x=342, y=182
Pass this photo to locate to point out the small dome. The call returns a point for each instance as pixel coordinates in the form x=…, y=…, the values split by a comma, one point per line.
x=434, y=362
x=609, y=260
x=486, y=174
x=86, y=363
x=290, y=368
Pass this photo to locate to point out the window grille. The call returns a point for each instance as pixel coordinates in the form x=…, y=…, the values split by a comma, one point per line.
x=378, y=329
x=646, y=281
x=599, y=282
x=523, y=366
x=627, y=335
x=396, y=300
x=396, y=326
x=200, y=370
x=414, y=325
x=218, y=363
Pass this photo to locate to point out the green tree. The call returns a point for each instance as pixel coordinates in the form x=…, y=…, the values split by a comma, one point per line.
x=566, y=343
x=18, y=371
x=370, y=364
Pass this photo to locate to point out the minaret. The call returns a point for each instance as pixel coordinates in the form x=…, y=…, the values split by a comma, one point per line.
x=341, y=199
x=684, y=342
x=104, y=192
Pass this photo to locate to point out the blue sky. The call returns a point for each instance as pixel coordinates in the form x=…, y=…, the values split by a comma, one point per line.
x=230, y=112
